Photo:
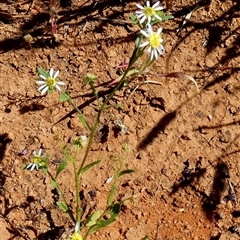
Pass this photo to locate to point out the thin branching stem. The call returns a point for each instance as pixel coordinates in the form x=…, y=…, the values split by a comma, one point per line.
x=80, y=113
x=94, y=129
x=69, y=212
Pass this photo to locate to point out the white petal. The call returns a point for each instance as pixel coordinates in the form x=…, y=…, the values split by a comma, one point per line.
x=159, y=8
x=139, y=6
x=155, y=53
x=160, y=49
x=149, y=28
x=149, y=19
x=140, y=15
x=41, y=76
x=56, y=74
x=44, y=90
x=139, y=12
x=143, y=19
x=40, y=152
x=159, y=30
x=40, y=82
x=77, y=226
x=144, y=44
x=61, y=83
x=149, y=50
x=51, y=72
x=155, y=4
x=58, y=88
x=42, y=87
x=144, y=33
x=151, y=55
x=159, y=18
x=33, y=166
x=148, y=3
x=29, y=165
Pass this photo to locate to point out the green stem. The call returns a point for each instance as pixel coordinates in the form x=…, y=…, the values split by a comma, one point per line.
x=95, y=93
x=102, y=215
x=80, y=113
x=69, y=212
x=78, y=208
x=93, y=131
x=92, y=134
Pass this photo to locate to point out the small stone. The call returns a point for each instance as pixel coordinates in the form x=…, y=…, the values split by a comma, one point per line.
x=10, y=136
x=225, y=137
x=74, y=123
x=141, y=155
x=43, y=145
x=114, y=235
x=53, y=129
x=65, y=104
x=229, y=88
x=209, y=63
x=150, y=178
x=233, y=110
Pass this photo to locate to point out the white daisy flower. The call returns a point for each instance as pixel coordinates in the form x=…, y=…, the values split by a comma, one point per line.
x=49, y=83
x=154, y=41
x=147, y=12
x=38, y=161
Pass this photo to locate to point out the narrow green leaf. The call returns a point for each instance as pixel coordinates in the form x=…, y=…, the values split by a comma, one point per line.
x=65, y=97
x=93, y=219
x=117, y=106
x=61, y=167
x=138, y=41
x=111, y=193
x=24, y=167
x=114, y=211
x=83, y=121
x=84, y=169
x=62, y=206
x=45, y=170
x=134, y=18
x=55, y=185
x=128, y=171
x=43, y=72
x=95, y=93
x=145, y=238
x=165, y=17
x=69, y=157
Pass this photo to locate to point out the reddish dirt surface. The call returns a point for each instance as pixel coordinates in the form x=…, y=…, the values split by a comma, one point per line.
x=184, y=145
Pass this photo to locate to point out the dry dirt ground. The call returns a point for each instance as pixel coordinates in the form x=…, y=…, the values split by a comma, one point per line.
x=184, y=145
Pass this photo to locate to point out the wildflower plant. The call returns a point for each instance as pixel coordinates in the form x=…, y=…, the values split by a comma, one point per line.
x=150, y=39
x=39, y=161
x=49, y=81
x=149, y=13
x=154, y=42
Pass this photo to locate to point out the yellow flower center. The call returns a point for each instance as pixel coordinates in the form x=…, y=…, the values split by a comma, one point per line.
x=51, y=82
x=37, y=159
x=149, y=11
x=154, y=40
x=76, y=236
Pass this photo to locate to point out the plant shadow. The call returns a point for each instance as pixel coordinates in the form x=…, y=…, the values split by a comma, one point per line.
x=4, y=141
x=38, y=25
x=25, y=104
x=159, y=128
